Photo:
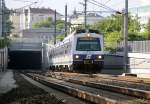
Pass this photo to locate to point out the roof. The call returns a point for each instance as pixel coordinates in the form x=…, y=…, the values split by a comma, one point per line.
x=88, y=14
x=43, y=10
x=93, y=15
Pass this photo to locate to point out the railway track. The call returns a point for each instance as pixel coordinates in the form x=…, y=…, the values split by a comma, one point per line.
x=87, y=91
x=132, y=89
x=67, y=99
x=104, y=79
x=109, y=77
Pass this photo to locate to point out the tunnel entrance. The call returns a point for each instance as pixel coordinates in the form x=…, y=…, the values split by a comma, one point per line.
x=25, y=60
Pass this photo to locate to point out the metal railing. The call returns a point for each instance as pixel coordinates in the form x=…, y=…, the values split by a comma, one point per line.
x=134, y=47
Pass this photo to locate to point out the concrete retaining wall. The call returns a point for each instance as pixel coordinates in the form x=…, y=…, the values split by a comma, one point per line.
x=138, y=63
x=113, y=64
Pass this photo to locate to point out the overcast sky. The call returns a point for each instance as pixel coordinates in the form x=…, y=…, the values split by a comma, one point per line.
x=59, y=4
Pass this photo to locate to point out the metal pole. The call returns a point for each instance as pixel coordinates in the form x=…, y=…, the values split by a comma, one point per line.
x=126, y=38
x=85, y=14
x=3, y=32
x=55, y=27
x=65, y=20
x=3, y=18
x=1, y=11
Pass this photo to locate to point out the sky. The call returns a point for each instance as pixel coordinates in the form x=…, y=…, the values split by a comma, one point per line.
x=59, y=5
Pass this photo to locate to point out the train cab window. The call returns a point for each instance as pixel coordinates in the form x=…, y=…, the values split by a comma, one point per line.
x=88, y=44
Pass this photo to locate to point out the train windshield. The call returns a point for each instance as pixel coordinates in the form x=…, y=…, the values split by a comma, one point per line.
x=88, y=44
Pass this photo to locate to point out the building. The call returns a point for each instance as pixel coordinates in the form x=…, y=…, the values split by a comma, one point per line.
x=31, y=16
x=78, y=18
x=25, y=18
x=40, y=33
x=142, y=12
x=2, y=9
x=15, y=18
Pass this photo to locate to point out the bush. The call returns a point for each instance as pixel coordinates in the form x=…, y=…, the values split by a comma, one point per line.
x=135, y=37
x=4, y=42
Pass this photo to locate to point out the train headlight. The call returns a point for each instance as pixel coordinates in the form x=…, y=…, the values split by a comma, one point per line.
x=88, y=35
x=99, y=57
x=77, y=56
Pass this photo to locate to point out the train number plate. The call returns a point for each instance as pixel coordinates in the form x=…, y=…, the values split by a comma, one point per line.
x=88, y=61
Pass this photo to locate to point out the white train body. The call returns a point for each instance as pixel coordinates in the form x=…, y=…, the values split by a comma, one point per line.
x=78, y=50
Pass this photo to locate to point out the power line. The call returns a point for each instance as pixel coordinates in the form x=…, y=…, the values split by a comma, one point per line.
x=27, y=5
x=94, y=2
x=103, y=5
x=107, y=1
x=23, y=0
x=97, y=4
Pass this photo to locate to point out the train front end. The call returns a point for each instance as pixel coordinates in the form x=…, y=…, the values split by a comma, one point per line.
x=88, y=53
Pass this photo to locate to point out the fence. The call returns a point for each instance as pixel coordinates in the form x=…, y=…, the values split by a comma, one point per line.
x=134, y=46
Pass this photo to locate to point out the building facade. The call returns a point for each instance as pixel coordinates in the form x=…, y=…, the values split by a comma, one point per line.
x=78, y=18
x=142, y=12
x=15, y=18
x=42, y=33
x=25, y=18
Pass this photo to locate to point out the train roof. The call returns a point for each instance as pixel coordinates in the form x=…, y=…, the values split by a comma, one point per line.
x=89, y=31
x=78, y=31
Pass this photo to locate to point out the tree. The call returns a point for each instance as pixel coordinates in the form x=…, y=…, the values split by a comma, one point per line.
x=134, y=24
x=111, y=27
x=109, y=24
x=6, y=24
x=111, y=40
x=60, y=37
x=44, y=23
x=147, y=30
x=49, y=23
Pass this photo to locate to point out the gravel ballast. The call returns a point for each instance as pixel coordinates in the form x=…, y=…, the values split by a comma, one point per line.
x=26, y=93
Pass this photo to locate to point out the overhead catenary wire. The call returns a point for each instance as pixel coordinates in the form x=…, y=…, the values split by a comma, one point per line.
x=26, y=5
x=23, y=0
x=17, y=9
x=107, y=1
x=103, y=5
x=94, y=2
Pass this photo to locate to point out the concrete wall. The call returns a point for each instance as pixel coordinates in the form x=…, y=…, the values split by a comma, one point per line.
x=45, y=56
x=113, y=64
x=42, y=33
x=139, y=63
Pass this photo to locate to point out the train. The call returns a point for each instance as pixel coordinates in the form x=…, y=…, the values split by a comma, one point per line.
x=81, y=51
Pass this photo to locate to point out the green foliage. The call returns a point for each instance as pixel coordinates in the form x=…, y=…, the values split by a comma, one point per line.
x=134, y=24
x=4, y=42
x=115, y=23
x=109, y=24
x=147, y=30
x=60, y=37
x=111, y=27
x=7, y=24
x=135, y=37
x=60, y=24
x=45, y=23
x=111, y=39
